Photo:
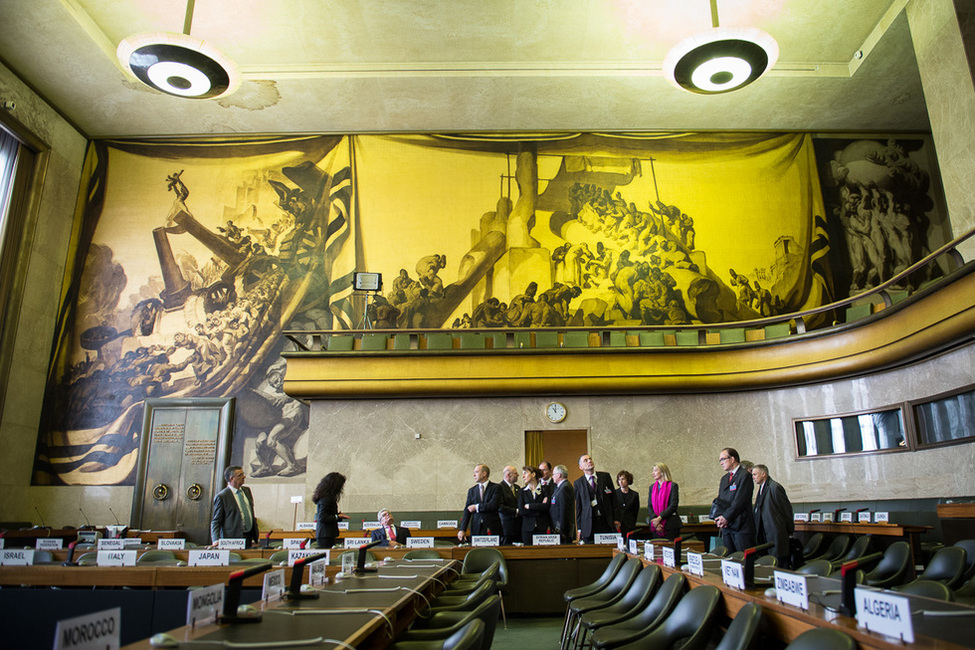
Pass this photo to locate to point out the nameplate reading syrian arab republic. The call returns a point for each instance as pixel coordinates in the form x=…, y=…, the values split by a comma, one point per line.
x=111, y=544
x=317, y=571
x=863, y=517
x=17, y=557
x=882, y=612
x=116, y=558
x=419, y=542
x=446, y=523
x=411, y=523
x=881, y=517
x=293, y=542
x=204, y=605
x=801, y=516
x=208, y=557
x=608, y=538
x=633, y=549
x=310, y=525
x=231, y=543
x=356, y=542
x=342, y=525
x=485, y=540
x=695, y=563
x=369, y=525
x=273, y=585
x=648, y=551
x=171, y=543
x=97, y=631
x=668, y=554
x=49, y=544
x=846, y=516
x=295, y=554
x=733, y=574
x=545, y=540
x=792, y=589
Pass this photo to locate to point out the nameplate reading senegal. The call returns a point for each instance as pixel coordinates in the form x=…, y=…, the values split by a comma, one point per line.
x=733, y=574
x=309, y=525
x=695, y=563
x=419, y=542
x=273, y=585
x=116, y=558
x=208, y=557
x=446, y=523
x=98, y=631
x=670, y=559
x=792, y=589
x=49, y=544
x=485, y=540
x=293, y=542
x=111, y=544
x=545, y=540
x=884, y=613
x=356, y=542
x=171, y=543
x=17, y=557
x=295, y=554
x=232, y=543
x=204, y=605
x=411, y=523
x=608, y=538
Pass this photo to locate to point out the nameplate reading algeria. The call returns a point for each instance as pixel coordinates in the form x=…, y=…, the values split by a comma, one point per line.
x=695, y=563
x=171, y=543
x=17, y=557
x=116, y=558
x=208, y=557
x=273, y=585
x=419, y=542
x=204, y=605
x=733, y=574
x=669, y=558
x=295, y=554
x=485, y=540
x=545, y=540
x=97, y=631
x=884, y=613
x=792, y=589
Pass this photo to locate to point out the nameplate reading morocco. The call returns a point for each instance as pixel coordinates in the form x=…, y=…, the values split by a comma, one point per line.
x=792, y=589
x=733, y=574
x=884, y=613
x=97, y=631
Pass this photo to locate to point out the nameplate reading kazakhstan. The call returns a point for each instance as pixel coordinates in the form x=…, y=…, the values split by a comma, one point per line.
x=17, y=557
x=881, y=517
x=204, y=605
x=446, y=523
x=608, y=538
x=695, y=563
x=545, y=540
x=208, y=557
x=293, y=542
x=116, y=558
x=419, y=542
x=863, y=517
x=733, y=574
x=49, y=544
x=98, y=631
x=170, y=544
x=801, y=516
x=369, y=525
x=342, y=525
x=295, y=554
x=648, y=551
x=356, y=542
x=111, y=544
x=273, y=585
x=411, y=523
x=846, y=516
x=633, y=549
x=232, y=543
x=792, y=589
x=882, y=612
x=317, y=571
x=668, y=554
x=485, y=540
x=307, y=525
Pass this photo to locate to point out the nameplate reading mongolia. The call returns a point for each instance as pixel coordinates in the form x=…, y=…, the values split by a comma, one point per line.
x=485, y=540
x=116, y=558
x=792, y=589
x=881, y=517
x=633, y=549
x=17, y=557
x=419, y=542
x=273, y=585
x=369, y=525
x=446, y=523
x=411, y=523
x=204, y=605
x=608, y=538
x=801, y=516
x=293, y=542
x=49, y=544
x=884, y=613
x=317, y=571
x=310, y=525
x=111, y=544
x=545, y=540
x=356, y=542
x=98, y=631
x=232, y=543
x=295, y=554
x=863, y=517
x=171, y=543
x=733, y=574
x=668, y=554
x=846, y=516
x=208, y=558
x=695, y=563
x=342, y=525
x=648, y=551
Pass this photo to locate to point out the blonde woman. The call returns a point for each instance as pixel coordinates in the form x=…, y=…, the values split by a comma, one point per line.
x=662, y=504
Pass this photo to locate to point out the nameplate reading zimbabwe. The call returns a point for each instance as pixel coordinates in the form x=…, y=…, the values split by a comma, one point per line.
x=295, y=554
x=733, y=574
x=485, y=540
x=116, y=558
x=204, y=605
x=98, y=631
x=170, y=544
x=669, y=558
x=419, y=542
x=17, y=557
x=545, y=540
x=208, y=557
x=882, y=612
x=695, y=563
x=792, y=589
x=49, y=544
x=273, y=585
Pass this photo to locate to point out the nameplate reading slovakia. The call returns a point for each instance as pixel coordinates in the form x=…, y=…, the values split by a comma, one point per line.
x=801, y=516
x=446, y=523
x=49, y=544
x=295, y=554
x=356, y=542
x=633, y=549
x=342, y=525
x=485, y=540
x=419, y=542
x=317, y=571
x=733, y=574
x=863, y=517
x=199, y=557
x=98, y=631
x=232, y=543
x=885, y=613
x=116, y=558
x=171, y=543
x=608, y=538
x=792, y=589
x=846, y=516
x=292, y=542
x=695, y=563
x=17, y=557
x=308, y=525
x=545, y=540
x=204, y=605
x=111, y=544
x=273, y=585
x=648, y=551
x=411, y=523
x=668, y=554
x=881, y=517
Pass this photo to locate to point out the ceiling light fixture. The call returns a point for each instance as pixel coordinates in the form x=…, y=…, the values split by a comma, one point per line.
x=179, y=64
x=721, y=59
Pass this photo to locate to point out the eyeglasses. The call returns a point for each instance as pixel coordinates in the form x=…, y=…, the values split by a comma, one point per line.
x=721, y=460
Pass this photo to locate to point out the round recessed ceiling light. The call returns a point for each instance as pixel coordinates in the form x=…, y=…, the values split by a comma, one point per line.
x=179, y=65
x=720, y=60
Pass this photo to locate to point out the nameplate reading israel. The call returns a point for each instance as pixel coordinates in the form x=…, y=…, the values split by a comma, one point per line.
x=607, y=538
x=116, y=558
x=419, y=542
x=545, y=540
x=884, y=613
x=49, y=544
x=208, y=557
x=292, y=542
x=273, y=585
x=204, y=605
x=668, y=554
x=17, y=557
x=310, y=525
x=171, y=543
x=633, y=549
x=232, y=543
x=485, y=540
x=733, y=574
x=792, y=589
x=446, y=523
x=98, y=631
x=356, y=542
x=111, y=544
x=695, y=563
x=295, y=554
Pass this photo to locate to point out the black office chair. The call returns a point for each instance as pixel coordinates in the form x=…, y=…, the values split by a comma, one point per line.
x=823, y=638
x=966, y=593
x=737, y=556
x=613, y=592
x=720, y=551
x=278, y=557
x=741, y=632
x=836, y=550
x=156, y=556
x=479, y=559
x=767, y=560
x=947, y=566
x=469, y=637
x=633, y=601
x=893, y=566
x=816, y=568
x=88, y=559
x=927, y=589
x=624, y=632
x=857, y=550
x=813, y=545
x=421, y=554
x=588, y=590
x=688, y=626
x=969, y=546
x=442, y=625
x=458, y=587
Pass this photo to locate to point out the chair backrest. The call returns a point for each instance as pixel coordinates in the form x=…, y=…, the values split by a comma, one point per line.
x=691, y=621
x=813, y=544
x=947, y=566
x=421, y=554
x=661, y=605
x=469, y=637
x=816, y=568
x=927, y=589
x=767, y=560
x=88, y=559
x=642, y=589
x=837, y=548
x=279, y=556
x=823, y=638
x=156, y=555
x=859, y=549
x=622, y=580
x=969, y=546
x=600, y=583
x=737, y=556
x=741, y=632
x=43, y=555
x=892, y=567
x=720, y=551
x=482, y=559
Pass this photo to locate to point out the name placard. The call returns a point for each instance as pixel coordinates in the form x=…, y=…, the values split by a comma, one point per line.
x=342, y=525
x=669, y=558
x=208, y=557
x=116, y=558
x=880, y=611
x=356, y=542
x=545, y=540
x=316, y=572
x=863, y=517
x=49, y=544
x=273, y=584
x=827, y=516
x=446, y=523
x=608, y=538
x=297, y=498
x=204, y=605
x=115, y=531
x=733, y=574
x=17, y=557
x=114, y=544
x=171, y=543
x=419, y=542
x=648, y=551
x=847, y=516
x=881, y=517
x=695, y=563
x=2, y=540
x=310, y=525
x=704, y=519
x=97, y=631
x=86, y=536
x=801, y=516
x=485, y=540
x=369, y=525
x=816, y=516
x=620, y=545
x=292, y=542
x=132, y=541
x=295, y=554
x=683, y=519
x=792, y=589
x=232, y=543
x=411, y=523
x=633, y=549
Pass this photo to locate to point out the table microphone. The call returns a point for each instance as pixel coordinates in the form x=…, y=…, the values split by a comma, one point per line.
x=232, y=600
x=117, y=522
x=70, y=561
x=297, y=571
x=751, y=554
x=87, y=525
x=39, y=516
x=266, y=542
x=848, y=571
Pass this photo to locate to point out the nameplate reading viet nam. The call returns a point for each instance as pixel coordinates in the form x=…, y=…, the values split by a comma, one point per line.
x=446, y=523
x=485, y=540
x=695, y=563
x=49, y=544
x=295, y=554
x=116, y=558
x=545, y=540
x=17, y=557
x=170, y=544
x=232, y=543
x=668, y=555
x=115, y=544
x=792, y=589
x=884, y=613
x=419, y=542
x=204, y=604
x=273, y=585
x=733, y=574
x=208, y=558
x=607, y=538
x=98, y=631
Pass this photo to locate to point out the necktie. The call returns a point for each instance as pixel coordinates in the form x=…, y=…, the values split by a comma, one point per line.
x=592, y=483
x=514, y=491
x=245, y=511
x=390, y=535
x=481, y=491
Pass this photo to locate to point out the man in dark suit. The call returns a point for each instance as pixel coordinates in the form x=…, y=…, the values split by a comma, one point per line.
x=233, y=510
x=733, y=508
x=389, y=533
x=563, y=505
x=594, y=501
x=510, y=526
x=483, y=504
x=774, y=519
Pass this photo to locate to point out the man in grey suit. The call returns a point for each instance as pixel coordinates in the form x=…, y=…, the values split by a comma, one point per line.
x=773, y=515
x=233, y=510
x=594, y=501
x=563, y=505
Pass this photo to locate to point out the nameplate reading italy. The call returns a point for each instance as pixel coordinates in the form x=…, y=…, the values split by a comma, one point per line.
x=668, y=554
x=695, y=563
x=545, y=540
x=419, y=542
x=273, y=585
x=170, y=544
x=17, y=557
x=792, y=589
x=485, y=540
x=295, y=554
x=882, y=612
x=115, y=544
x=204, y=604
x=308, y=525
x=116, y=558
x=49, y=544
x=608, y=538
x=446, y=523
x=733, y=574
x=355, y=542
x=98, y=631
x=232, y=543
x=208, y=558
x=293, y=542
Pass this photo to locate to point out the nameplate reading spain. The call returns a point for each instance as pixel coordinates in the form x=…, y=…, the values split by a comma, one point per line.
x=485, y=540
x=668, y=554
x=204, y=604
x=232, y=543
x=792, y=589
x=733, y=574
x=116, y=558
x=171, y=543
x=49, y=544
x=111, y=544
x=17, y=557
x=293, y=542
x=295, y=554
x=545, y=540
x=98, y=631
x=208, y=558
x=884, y=613
x=273, y=585
x=419, y=542
x=695, y=563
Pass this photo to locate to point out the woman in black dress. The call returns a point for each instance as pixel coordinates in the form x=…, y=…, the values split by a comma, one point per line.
x=626, y=503
x=326, y=496
x=534, y=504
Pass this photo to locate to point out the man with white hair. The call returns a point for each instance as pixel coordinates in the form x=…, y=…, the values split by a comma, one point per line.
x=389, y=533
x=563, y=505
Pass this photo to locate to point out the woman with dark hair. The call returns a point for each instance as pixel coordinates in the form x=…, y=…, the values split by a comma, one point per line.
x=534, y=505
x=626, y=502
x=326, y=496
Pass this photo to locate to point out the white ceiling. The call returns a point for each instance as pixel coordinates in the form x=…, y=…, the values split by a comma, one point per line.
x=469, y=65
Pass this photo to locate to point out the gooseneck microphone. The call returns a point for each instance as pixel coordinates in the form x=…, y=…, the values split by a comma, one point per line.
x=41, y=517
x=117, y=522
x=87, y=525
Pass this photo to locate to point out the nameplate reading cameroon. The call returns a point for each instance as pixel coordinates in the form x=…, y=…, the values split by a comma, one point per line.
x=792, y=589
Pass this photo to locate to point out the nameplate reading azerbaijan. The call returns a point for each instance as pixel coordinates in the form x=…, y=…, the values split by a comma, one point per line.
x=884, y=613
x=733, y=574
x=419, y=542
x=792, y=589
x=203, y=605
x=97, y=631
x=208, y=558
x=695, y=563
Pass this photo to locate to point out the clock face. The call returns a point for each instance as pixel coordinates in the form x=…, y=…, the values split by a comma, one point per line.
x=556, y=412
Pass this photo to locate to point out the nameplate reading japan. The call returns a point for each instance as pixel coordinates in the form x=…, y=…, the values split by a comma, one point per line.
x=446, y=523
x=49, y=544
x=356, y=542
x=308, y=525
x=170, y=544
x=273, y=585
x=411, y=523
x=884, y=613
x=668, y=555
x=608, y=538
x=545, y=540
x=17, y=557
x=116, y=558
x=792, y=589
x=695, y=563
x=293, y=542
x=208, y=558
x=419, y=542
x=733, y=574
x=295, y=554
x=111, y=544
x=485, y=540
x=204, y=605
x=232, y=543
x=98, y=631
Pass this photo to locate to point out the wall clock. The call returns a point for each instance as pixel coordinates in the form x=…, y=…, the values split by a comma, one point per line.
x=556, y=412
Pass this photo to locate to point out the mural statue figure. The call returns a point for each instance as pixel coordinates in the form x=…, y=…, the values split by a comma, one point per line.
x=519, y=310
x=280, y=440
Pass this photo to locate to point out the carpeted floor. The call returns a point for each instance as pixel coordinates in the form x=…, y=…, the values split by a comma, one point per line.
x=529, y=632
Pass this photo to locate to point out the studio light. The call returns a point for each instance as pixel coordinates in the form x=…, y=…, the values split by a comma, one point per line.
x=179, y=64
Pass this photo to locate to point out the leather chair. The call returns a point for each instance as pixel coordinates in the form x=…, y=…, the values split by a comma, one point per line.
x=767, y=560
x=442, y=625
x=688, y=626
x=464, y=587
x=737, y=556
x=88, y=559
x=947, y=566
x=823, y=638
x=613, y=636
x=479, y=559
x=858, y=550
x=156, y=556
x=633, y=601
x=964, y=594
x=469, y=637
x=741, y=632
x=813, y=545
x=588, y=590
x=836, y=550
x=969, y=546
x=609, y=596
x=421, y=554
x=720, y=551
x=464, y=602
x=816, y=568
x=278, y=557
x=893, y=566
x=927, y=589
